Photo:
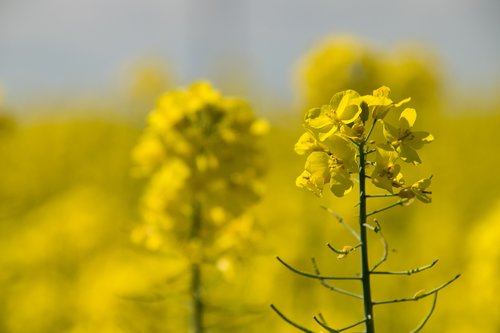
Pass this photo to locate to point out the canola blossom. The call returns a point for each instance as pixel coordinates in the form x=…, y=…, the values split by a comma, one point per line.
x=334, y=131
x=200, y=152
x=386, y=173
x=404, y=140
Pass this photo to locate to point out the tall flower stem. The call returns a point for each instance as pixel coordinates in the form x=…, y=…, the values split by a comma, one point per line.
x=196, y=324
x=365, y=268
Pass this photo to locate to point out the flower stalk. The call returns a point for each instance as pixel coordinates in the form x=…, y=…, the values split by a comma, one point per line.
x=201, y=153
x=365, y=268
x=196, y=276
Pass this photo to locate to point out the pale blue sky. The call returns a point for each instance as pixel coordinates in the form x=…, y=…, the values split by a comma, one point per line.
x=67, y=46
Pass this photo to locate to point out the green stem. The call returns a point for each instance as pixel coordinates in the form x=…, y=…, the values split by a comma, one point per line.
x=197, y=302
x=370, y=131
x=196, y=325
x=365, y=269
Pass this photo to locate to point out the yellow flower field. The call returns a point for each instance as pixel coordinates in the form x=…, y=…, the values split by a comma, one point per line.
x=98, y=197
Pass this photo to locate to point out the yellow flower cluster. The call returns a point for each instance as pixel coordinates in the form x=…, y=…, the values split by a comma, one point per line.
x=200, y=150
x=334, y=132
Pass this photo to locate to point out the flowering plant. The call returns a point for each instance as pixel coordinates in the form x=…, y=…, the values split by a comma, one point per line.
x=338, y=147
x=201, y=155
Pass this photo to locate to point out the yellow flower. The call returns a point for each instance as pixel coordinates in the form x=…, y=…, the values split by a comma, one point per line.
x=418, y=190
x=332, y=167
x=380, y=104
x=316, y=173
x=386, y=174
x=307, y=143
x=343, y=109
x=148, y=154
x=200, y=148
x=404, y=140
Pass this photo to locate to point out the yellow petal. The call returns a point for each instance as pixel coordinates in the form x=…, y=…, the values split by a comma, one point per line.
x=407, y=118
x=350, y=113
x=423, y=184
x=416, y=140
x=342, y=149
x=325, y=135
x=408, y=154
x=341, y=183
x=307, y=143
x=345, y=108
x=404, y=101
x=317, y=163
x=382, y=92
x=386, y=156
x=383, y=183
x=390, y=132
x=317, y=118
x=311, y=182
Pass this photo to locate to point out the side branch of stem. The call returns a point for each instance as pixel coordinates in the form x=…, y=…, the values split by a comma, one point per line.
x=343, y=251
x=388, y=195
x=321, y=321
x=428, y=316
x=408, y=272
x=297, y=326
x=341, y=221
x=316, y=276
x=385, y=246
x=333, y=288
x=398, y=203
x=420, y=296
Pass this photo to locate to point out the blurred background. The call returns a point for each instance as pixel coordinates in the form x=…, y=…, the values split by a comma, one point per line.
x=78, y=78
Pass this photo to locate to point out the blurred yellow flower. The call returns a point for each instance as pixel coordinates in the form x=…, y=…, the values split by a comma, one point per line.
x=200, y=148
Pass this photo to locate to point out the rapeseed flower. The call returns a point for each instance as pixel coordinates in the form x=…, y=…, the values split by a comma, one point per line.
x=404, y=140
x=380, y=104
x=343, y=109
x=417, y=190
x=386, y=174
x=331, y=167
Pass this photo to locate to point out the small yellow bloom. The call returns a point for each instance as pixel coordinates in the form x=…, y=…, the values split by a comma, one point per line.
x=316, y=173
x=418, y=190
x=342, y=164
x=404, y=140
x=331, y=166
x=386, y=174
x=380, y=104
x=345, y=251
x=344, y=109
x=307, y=143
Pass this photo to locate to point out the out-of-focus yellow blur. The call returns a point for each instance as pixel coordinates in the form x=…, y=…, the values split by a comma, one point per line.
x=68, y=204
